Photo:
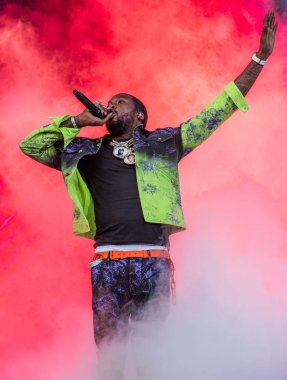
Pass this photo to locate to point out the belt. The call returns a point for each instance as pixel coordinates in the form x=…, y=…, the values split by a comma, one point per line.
x=118, y=255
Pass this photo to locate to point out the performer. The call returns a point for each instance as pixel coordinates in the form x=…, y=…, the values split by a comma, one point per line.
x=125, y=192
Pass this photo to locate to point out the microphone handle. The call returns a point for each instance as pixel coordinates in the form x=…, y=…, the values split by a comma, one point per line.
x=96, y=111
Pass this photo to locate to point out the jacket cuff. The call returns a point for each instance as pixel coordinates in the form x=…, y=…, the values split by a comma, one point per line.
x=236, y=95
x=68, y=133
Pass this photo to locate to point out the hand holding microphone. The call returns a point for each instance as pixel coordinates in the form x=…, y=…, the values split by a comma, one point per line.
x=94, y=115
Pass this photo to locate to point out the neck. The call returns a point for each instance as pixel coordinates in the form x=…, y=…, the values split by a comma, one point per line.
x=127, y=135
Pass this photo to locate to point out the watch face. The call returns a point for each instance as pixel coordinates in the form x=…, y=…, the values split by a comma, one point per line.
x=121, y=152
x=130, y=159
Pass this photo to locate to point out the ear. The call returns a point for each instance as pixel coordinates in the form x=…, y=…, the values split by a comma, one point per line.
x=140, y=116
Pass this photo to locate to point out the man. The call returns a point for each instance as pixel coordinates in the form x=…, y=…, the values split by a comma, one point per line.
x=125, y=192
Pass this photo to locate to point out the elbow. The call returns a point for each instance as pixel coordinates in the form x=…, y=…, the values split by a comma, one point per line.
x=23, y=147
x=26, y=148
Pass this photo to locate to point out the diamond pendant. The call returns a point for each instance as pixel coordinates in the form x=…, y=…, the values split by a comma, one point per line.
x=121, y=151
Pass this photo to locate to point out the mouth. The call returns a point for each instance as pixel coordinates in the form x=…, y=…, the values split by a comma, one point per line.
x=114, y=115
x=114, y=118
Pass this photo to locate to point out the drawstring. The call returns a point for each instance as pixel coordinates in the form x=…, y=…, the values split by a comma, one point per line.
x=172, y=282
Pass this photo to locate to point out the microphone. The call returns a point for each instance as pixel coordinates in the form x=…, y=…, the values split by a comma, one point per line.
x=96, y=111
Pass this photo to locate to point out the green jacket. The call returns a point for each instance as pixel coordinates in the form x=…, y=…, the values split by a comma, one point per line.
x=157, y=154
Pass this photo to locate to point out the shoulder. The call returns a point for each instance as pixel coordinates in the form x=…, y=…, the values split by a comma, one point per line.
x=81, y=143
x=162, y=134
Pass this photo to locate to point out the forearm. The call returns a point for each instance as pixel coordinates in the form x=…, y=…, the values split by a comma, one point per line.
x=248, y=77
x=68, y=123
x=84, y=119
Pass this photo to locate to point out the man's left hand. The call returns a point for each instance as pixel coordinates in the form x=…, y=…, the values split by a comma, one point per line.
x=268, y=36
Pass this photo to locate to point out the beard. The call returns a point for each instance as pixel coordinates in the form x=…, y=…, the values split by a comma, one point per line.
x=119, y=125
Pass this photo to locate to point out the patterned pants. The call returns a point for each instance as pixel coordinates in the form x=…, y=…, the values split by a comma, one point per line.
x=126, y=290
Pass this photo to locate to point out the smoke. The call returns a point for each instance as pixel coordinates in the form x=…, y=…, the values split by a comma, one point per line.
x=230, y=317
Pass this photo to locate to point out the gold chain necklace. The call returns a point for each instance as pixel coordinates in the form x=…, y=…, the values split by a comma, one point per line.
x=124, y=150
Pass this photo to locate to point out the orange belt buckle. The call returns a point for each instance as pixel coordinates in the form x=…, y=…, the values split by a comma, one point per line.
x=101, y=255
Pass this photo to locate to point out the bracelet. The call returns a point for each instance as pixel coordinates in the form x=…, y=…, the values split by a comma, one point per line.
x=73, y=121
x=258, y=60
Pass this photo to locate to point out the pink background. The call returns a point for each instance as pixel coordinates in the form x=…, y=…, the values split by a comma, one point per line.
x=231, y=262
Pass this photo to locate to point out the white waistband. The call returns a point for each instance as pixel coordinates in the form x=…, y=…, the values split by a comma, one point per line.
x=130, y=247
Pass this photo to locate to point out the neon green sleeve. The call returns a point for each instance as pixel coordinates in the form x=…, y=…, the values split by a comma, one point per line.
x=195, y=130
x=44, y=144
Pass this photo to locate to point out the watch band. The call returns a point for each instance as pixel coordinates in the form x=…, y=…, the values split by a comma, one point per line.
x=258, y=60
x=73, y=121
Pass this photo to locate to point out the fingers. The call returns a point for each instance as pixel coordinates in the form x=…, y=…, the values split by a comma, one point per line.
x=87, y=118
x=108, y=117
x=99, y=121
x=275, y=27
x=266, y=18
x=270, y=20
x=101, y=107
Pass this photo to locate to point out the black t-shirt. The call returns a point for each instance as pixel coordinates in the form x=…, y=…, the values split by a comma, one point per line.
x=118, y=213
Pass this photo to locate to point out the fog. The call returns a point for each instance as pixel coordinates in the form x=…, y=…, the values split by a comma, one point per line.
x=230, y=316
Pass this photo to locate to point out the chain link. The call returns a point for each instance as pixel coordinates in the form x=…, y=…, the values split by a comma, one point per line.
x=172, y=282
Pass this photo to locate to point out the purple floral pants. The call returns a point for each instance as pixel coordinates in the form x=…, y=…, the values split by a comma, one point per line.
x=133, y=289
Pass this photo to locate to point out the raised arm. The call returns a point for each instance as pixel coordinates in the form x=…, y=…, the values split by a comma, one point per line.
x=247, y=78
x=195, y=130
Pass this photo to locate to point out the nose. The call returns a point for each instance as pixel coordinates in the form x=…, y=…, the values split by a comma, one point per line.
x=111, y=109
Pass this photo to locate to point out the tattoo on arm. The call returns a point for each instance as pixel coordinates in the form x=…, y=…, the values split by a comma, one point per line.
x=247, y=78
